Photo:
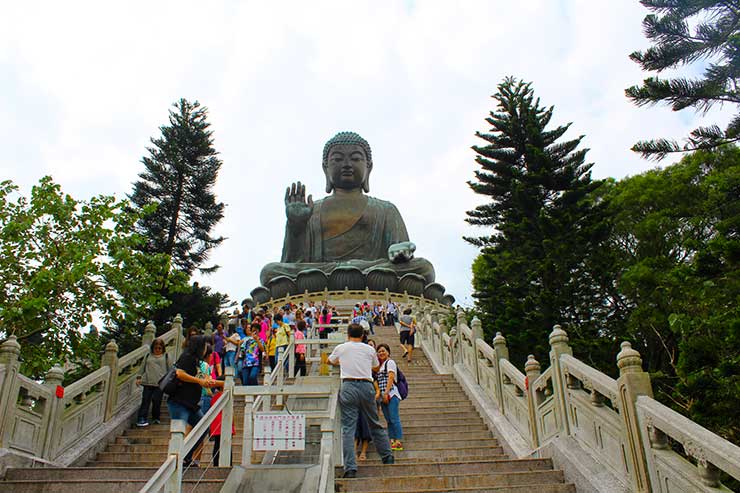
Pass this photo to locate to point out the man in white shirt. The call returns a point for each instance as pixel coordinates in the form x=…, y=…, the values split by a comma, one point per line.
x=357, y=361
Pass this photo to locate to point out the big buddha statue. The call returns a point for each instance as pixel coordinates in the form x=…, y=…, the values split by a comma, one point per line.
x=347, y=239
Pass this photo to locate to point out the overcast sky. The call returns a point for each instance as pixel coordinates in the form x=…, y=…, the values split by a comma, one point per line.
x=84, y=86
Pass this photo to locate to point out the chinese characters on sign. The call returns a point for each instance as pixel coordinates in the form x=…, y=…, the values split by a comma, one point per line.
x=279, y=431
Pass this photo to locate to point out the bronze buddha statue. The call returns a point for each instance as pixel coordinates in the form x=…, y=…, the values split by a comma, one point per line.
x=347, y=239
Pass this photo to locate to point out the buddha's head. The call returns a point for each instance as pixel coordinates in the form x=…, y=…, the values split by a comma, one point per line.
x=347, y=162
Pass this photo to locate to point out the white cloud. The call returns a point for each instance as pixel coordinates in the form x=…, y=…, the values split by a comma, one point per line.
x=90, y=83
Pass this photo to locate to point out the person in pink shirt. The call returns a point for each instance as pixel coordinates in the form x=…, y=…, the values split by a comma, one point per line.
x=300, y=349
x=265, y=327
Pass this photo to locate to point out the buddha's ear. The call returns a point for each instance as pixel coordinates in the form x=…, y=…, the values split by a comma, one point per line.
x=366, y=183
x=329, y=186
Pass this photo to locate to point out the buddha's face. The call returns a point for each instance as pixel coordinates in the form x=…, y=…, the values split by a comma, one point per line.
x=347, y=166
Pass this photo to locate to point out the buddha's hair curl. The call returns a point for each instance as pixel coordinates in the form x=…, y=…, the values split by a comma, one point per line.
x=348, y=138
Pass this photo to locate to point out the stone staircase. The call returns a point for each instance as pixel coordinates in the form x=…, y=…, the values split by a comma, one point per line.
x=447, y=446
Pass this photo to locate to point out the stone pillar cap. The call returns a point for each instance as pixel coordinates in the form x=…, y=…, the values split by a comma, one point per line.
x=55, y=373
x=629, y=359
x=11, y=345
x=532, y=365
x=111, y=347
x=177, y=319
x=558, y=335
x=499, y=339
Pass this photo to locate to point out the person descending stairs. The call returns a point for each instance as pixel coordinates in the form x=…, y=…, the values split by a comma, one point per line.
x=446, y=447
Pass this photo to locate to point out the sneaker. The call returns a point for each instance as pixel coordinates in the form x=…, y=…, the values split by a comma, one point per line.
x=389, y=460
x=399, y=446
x=156, y=422
x=350, y=474
x=142, y=423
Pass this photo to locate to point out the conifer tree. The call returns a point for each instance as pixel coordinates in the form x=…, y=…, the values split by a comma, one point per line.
x=181, y=169
x=533, y=271
x=687, y=32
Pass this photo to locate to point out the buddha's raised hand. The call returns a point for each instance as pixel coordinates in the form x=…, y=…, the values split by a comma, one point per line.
x=297, y=208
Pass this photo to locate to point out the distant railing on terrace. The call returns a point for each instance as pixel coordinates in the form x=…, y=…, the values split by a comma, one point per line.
x=617, y=421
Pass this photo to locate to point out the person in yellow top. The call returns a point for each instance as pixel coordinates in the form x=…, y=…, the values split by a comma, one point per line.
x=271, y=346
x=282, y=338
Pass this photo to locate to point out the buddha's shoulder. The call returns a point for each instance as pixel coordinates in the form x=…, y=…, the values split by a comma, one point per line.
x=372, y=202
x=381, y=204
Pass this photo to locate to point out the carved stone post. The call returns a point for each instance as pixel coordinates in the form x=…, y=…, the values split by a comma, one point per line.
x=224, y=319
x=532, y=369
x=249, y=428
x=9, y=353
x=177, y=439
x=53, y=378
x=477, y=327
x=149, y=333
x=179, y=336
x=461, y=320
x=291, y=355
x=559, y=346
x=227, y=418
x=110, y=359
x=208, y=330
x=633, y=382
x=501, y=352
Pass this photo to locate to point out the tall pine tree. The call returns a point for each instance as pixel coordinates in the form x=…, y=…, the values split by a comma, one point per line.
x=686, y=32
x=533, y=270
x=181, y=169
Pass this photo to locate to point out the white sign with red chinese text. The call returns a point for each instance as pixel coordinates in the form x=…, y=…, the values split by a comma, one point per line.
x=279, y=431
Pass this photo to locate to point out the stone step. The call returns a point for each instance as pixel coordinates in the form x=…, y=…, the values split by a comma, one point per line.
x=481, y=457
x=411, y=434
x=456, y=468
x=479, y=480
x=452, y=426
x=106, y=473
x=529, y=488
x=430, y=452
x=102, y=485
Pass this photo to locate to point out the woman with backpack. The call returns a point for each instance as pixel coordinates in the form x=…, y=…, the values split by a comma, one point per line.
x=389, y=396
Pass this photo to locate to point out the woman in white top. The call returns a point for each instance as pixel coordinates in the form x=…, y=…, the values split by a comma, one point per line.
x=389, y=396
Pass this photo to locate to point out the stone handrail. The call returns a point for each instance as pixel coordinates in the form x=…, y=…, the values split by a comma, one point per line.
x=617, y=422
x=671, y=471
x=169, y=475
x=349, y=294
x=55, y=424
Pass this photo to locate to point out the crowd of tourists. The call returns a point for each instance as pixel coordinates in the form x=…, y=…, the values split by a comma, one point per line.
x=253, y=342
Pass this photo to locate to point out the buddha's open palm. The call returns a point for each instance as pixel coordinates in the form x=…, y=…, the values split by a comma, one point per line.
x=297, y=208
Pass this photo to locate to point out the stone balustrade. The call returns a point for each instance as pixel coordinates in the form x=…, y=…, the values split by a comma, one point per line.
x=617, y=422
x=46, y=422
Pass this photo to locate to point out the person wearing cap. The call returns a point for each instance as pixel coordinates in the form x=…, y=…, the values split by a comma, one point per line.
x=356, y=362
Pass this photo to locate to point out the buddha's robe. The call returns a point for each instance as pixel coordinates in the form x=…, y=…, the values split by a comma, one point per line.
x=363, y=245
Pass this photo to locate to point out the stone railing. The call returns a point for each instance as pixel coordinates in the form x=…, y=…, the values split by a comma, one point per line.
x=45, y=422
x=617, y=422
x=352, y=296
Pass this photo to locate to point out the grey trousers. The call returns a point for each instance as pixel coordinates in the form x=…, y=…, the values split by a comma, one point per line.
x=359, y=397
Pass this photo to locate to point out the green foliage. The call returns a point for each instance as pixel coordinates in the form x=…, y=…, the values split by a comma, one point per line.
x=64, y=260
x=533, y=271
x=686, y=32
x=181, y=169
x=196, y=304
x=676, y=248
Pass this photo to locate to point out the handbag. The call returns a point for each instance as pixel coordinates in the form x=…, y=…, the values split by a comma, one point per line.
x=168, y=383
